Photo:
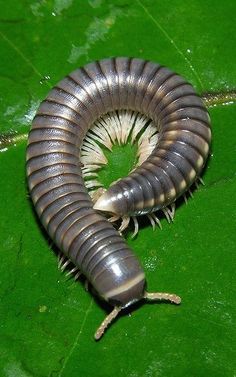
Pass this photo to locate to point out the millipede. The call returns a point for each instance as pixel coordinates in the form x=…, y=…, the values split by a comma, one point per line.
x=56, y=170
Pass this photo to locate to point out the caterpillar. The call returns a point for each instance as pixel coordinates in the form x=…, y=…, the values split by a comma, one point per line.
x=79, y=227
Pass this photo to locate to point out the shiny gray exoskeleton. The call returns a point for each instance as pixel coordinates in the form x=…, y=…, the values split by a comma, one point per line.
x=54, y=168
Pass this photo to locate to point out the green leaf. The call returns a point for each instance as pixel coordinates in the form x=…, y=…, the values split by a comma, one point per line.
x=47, y=321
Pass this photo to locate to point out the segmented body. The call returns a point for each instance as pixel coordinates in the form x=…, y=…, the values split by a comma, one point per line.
x=54, y=168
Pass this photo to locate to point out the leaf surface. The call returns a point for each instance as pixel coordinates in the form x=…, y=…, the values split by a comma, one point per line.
x=48, y=321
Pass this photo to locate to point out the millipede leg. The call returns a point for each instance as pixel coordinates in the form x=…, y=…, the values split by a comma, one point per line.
x=124, y=224
x=154, y=220
x=71, y=272
x=185, y=199
x=77, y=275
x=190, y=193
x=61, y=260
x=65, y=264
x=172, y=211
x=135, y=226
x=167, y=215
x=113, y=219
x=201, y=181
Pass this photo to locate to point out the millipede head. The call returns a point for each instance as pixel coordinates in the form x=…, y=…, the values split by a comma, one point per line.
x=150, y=296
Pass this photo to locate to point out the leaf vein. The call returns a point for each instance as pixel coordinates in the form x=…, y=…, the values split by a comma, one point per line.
x=22, y=55
x=75, y=344
x=171, y=40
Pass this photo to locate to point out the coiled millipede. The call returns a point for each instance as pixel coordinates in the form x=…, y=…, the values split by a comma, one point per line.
x=55, y=171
